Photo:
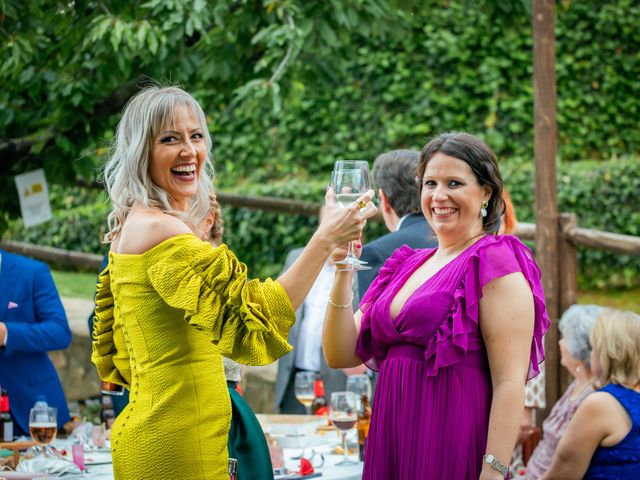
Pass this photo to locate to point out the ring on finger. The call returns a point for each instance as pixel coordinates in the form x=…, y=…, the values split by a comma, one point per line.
x=361, y=204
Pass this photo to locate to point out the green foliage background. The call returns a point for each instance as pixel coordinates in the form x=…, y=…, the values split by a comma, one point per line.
x=452, y=68
x=360, y=78
x=602, y=194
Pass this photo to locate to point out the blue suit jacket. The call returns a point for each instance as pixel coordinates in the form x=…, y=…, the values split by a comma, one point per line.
x=36, y=323
x=414, y=232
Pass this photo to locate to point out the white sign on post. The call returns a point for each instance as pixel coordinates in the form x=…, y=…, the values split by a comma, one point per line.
x=34, y=197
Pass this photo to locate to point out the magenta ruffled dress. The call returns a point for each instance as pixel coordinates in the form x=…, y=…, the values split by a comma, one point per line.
x=432, y=400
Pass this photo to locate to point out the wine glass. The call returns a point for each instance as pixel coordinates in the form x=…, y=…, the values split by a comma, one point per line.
x=343, y=413
x=43, y=425
x=360, y=385
x=303, y=386
x=350, y=180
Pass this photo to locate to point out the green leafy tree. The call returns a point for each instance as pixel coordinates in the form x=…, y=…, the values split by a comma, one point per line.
x=292, y=85
x=69, y=67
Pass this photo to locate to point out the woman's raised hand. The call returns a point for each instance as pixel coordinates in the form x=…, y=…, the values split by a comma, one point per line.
x=343, y=224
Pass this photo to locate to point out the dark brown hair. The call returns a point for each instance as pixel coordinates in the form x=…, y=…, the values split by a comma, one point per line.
x=475, y=153
x=393, y=173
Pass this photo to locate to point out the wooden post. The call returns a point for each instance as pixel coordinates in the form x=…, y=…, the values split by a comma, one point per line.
x=568, y=266
x=568, y=262
x=544, y=85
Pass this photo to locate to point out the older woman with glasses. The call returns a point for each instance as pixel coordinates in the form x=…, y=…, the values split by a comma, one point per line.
x=575, y=350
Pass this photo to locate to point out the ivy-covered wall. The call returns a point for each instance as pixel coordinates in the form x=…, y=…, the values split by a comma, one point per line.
x=455, y=67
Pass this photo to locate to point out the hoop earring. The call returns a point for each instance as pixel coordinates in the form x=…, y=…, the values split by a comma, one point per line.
x=483, y=210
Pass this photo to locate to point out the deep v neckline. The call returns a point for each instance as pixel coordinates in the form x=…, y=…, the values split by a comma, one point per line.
x=411, y=271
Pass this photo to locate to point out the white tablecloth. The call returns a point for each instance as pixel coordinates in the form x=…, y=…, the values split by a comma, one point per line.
x=329, y=470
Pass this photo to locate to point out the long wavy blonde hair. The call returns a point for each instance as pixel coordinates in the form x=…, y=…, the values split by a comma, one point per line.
x=126, y=172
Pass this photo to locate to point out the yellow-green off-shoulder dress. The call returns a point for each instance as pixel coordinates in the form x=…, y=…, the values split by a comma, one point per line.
x=163, y=320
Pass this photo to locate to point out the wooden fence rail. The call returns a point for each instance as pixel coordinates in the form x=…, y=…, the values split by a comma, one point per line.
x=576, y=236
x=56, y=256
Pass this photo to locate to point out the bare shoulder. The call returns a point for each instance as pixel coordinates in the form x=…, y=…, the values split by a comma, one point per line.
x=603, y=418
x=597, y=403
x=596, y=410
x=511, y=283
x=147, y=227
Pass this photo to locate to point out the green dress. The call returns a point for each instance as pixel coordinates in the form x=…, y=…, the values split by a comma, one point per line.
x=163, y=319
x=247, y=442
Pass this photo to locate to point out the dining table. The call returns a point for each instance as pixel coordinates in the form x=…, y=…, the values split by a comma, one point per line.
x=329, y=471
x=292, y=436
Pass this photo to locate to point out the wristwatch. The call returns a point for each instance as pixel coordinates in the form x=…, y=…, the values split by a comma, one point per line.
x=496, y=464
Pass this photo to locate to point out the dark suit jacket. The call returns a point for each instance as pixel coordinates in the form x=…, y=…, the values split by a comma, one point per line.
x=334, y=380
x=36, y=323
x=414, y=232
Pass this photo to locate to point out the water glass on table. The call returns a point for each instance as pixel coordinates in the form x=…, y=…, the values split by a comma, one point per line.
x=360, y=385
x=343, y=413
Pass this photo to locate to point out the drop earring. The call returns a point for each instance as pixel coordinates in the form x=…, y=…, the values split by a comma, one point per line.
x=483, y=209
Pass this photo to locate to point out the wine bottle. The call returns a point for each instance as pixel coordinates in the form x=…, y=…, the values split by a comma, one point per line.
x=364, y=419
x=6, y=422
x=319, y=405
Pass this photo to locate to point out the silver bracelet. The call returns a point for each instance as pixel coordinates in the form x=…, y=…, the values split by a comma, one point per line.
x=496, y=464
x=339, y=305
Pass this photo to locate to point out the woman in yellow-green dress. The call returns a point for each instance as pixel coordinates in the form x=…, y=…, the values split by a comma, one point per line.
x=169, y=304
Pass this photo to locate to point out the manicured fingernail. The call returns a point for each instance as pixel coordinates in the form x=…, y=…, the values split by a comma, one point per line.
x=358, y=245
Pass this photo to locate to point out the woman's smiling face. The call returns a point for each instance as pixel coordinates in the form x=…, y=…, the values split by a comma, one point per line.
x=178, y=154
x=451, y=198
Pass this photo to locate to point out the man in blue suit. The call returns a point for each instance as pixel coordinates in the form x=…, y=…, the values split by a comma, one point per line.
x=32, y=322
x=394, y=173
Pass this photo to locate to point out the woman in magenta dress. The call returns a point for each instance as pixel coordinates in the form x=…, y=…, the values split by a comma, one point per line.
x=454, y=331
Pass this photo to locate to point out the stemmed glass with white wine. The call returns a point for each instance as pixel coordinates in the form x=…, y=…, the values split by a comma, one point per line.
x=343, y=413
x=43, y=425
x=303, y=387
x=349, y=181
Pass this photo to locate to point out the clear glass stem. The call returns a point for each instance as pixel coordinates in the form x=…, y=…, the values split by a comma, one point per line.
x=351, y=256
x=308, y=408
x=344, y=446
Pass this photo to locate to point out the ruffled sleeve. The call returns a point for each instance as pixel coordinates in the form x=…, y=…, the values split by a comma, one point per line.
x=493, y=258
x=248, y=320
x=368, y=348
x=104, y=350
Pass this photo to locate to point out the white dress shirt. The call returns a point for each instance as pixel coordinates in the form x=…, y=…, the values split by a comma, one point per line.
x=309, y=342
